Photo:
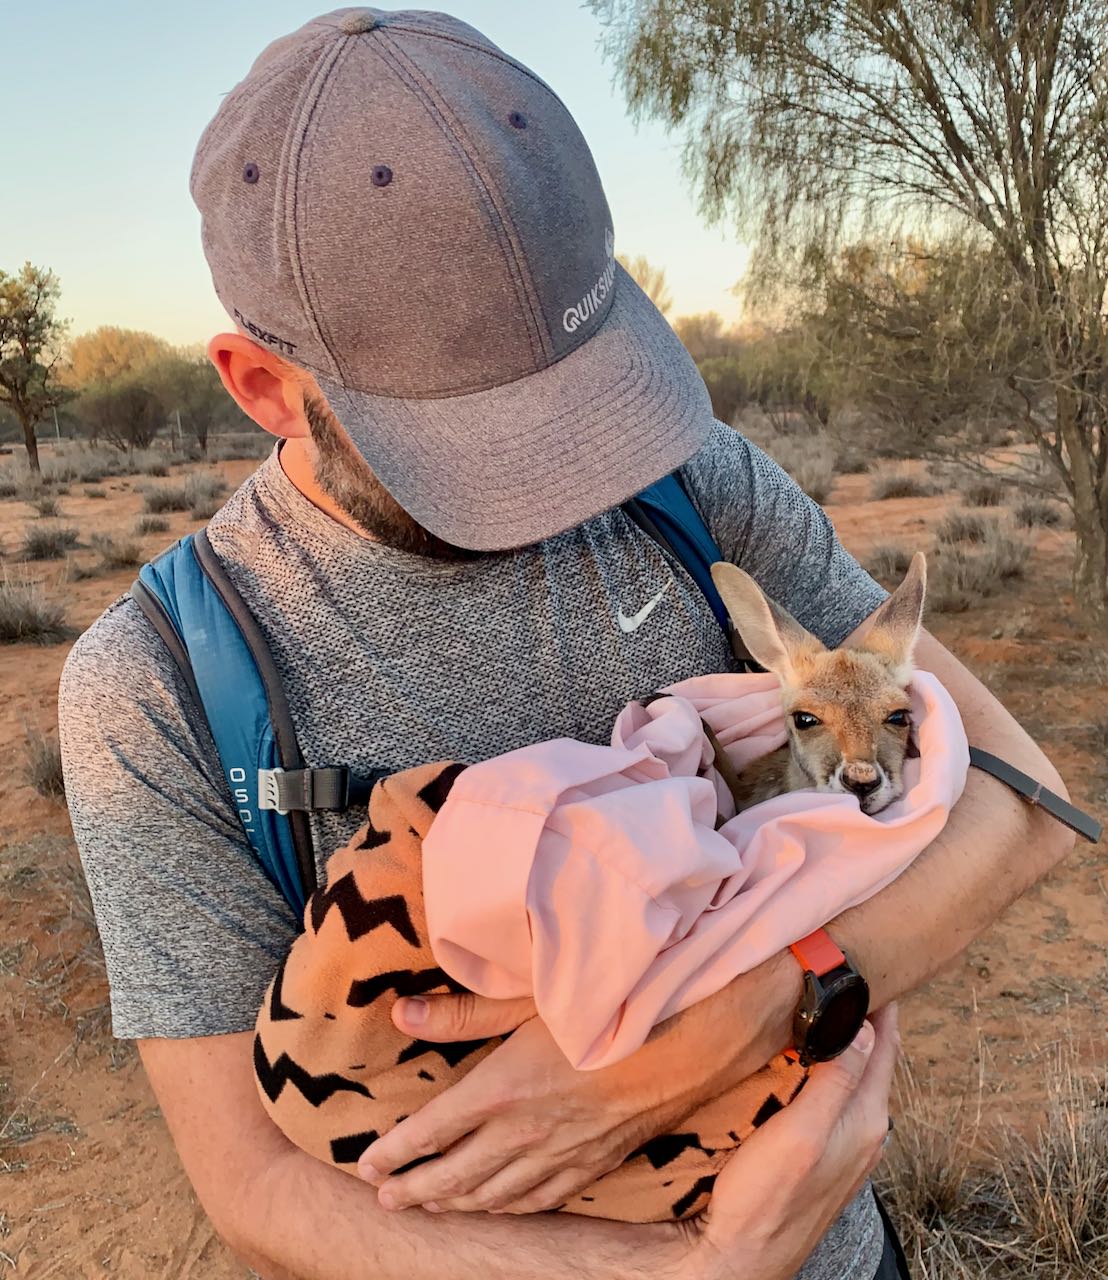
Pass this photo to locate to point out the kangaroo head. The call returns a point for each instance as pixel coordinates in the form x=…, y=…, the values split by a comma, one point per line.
x=847, y=710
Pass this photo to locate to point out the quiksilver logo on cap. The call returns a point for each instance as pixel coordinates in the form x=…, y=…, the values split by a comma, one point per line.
x=591, y=303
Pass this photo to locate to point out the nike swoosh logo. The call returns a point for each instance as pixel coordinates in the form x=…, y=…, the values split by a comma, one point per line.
x=627, y=625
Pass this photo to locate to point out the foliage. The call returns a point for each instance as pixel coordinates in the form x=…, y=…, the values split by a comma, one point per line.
x=1031, y=512
x=187, y=383
x=651, y=280
x=962, y=526
x=108, y=355
x=30, y=335
x=816, y=124
x=125, y=414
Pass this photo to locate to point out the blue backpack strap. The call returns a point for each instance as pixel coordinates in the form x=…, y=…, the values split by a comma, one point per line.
x=189, y=600
x=666, y=512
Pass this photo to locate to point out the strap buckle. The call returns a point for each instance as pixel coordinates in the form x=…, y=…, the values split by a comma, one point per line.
x=304, y=790
x=269, y=790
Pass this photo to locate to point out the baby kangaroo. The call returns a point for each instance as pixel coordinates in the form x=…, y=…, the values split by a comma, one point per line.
x=847, y=710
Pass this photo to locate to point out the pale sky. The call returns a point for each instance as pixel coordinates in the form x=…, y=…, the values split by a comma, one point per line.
x=105, y=103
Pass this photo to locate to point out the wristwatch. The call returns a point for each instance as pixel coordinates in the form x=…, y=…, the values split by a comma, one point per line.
x=835, y=1000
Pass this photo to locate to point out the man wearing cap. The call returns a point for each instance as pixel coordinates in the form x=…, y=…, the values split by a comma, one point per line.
x=410, y=234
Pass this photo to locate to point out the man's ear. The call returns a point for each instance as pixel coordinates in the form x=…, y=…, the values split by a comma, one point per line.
x=894, y=628
x=773, y=636
x=265, y=387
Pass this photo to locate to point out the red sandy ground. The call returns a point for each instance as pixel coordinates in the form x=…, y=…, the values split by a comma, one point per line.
x=89, y=1184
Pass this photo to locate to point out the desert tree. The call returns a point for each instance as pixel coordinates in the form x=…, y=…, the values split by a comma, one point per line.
x=816, y=123
x=30, y=341
x=109, y=354
x=186, y=381
x=126, y=415
x=650, y=279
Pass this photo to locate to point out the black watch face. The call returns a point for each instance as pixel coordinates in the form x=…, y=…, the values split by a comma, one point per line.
x=838, y=1018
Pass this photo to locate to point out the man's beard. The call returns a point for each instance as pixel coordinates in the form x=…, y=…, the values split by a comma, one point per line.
x=346, y=478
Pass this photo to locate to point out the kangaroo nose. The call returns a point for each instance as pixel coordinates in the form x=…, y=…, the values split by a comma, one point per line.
x=861, y=779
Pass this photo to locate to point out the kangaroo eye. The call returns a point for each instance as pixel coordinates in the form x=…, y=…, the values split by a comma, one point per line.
x=899, y=719
x=805, y=720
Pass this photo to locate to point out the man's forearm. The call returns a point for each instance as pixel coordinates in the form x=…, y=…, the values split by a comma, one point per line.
x=307, y=1221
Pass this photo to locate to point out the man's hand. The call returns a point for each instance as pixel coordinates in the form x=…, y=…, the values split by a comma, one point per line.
x=524, y=1131
x=791, y=1179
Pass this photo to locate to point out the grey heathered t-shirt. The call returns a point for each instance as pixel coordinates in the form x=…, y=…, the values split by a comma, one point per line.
x=390, y=660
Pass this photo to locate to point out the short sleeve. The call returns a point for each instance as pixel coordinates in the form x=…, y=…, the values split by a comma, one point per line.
x=191, y=926
x=764, y=522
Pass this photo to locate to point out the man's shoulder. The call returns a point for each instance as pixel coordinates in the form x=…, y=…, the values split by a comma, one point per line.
x=120, y=662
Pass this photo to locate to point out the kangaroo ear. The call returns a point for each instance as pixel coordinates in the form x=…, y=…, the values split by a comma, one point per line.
x=774, y=637
x=895, y=627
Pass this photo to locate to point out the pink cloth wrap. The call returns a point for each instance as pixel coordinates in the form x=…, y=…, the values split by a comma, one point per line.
x=593, y=879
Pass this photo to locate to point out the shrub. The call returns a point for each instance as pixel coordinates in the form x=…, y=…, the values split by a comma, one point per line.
x=27, y=615
x=8, y=487
x=196, y=495
x=852, y=460
x=151, y=524
x=239, y=445
x=1031, y=512
x=117, y=553
x=44, y=765
x=902, y=484
x=96, y=493
x=46, y=505
x=962, y=526
x=984, y=492
x=963, y=578
x=48, y=543
x=889, y=564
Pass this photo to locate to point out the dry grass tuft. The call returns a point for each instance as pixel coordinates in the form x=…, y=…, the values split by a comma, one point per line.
x=117, y=553
x=984, y=492
x=46, y=506
x=889, y=564
x=151, y=524
x=48, y=543
x=96, y=493
x=1007, y=1204
x=44, y=764
x=961, y=578
x=27, y=615
x=1031, y=513
x=196, y=495
x=902, y=484
x=963, y=526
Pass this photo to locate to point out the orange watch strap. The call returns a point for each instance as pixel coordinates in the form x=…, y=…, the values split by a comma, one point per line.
x=818, y=952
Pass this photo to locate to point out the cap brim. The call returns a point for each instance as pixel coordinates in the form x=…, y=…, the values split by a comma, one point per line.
x=518, y=463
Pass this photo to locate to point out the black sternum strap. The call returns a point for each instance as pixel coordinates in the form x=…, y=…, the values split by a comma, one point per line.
x=1035, y=793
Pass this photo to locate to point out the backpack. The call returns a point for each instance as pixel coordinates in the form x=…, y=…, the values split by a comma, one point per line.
x=188, y=598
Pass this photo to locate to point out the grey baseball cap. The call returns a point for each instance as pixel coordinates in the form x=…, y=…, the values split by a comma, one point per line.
x=391, y=202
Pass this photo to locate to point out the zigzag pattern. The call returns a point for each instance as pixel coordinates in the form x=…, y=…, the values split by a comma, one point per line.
x=348, y=1150
x=701, y=1187
x=665, y=1148
x=434, y=793
x=278, y=1010
x=362, y=915
x=451, y=1054
x=317, y=1089
x=405, y=982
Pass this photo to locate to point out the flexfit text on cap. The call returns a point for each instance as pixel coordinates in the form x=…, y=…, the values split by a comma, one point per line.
x=394, y=204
